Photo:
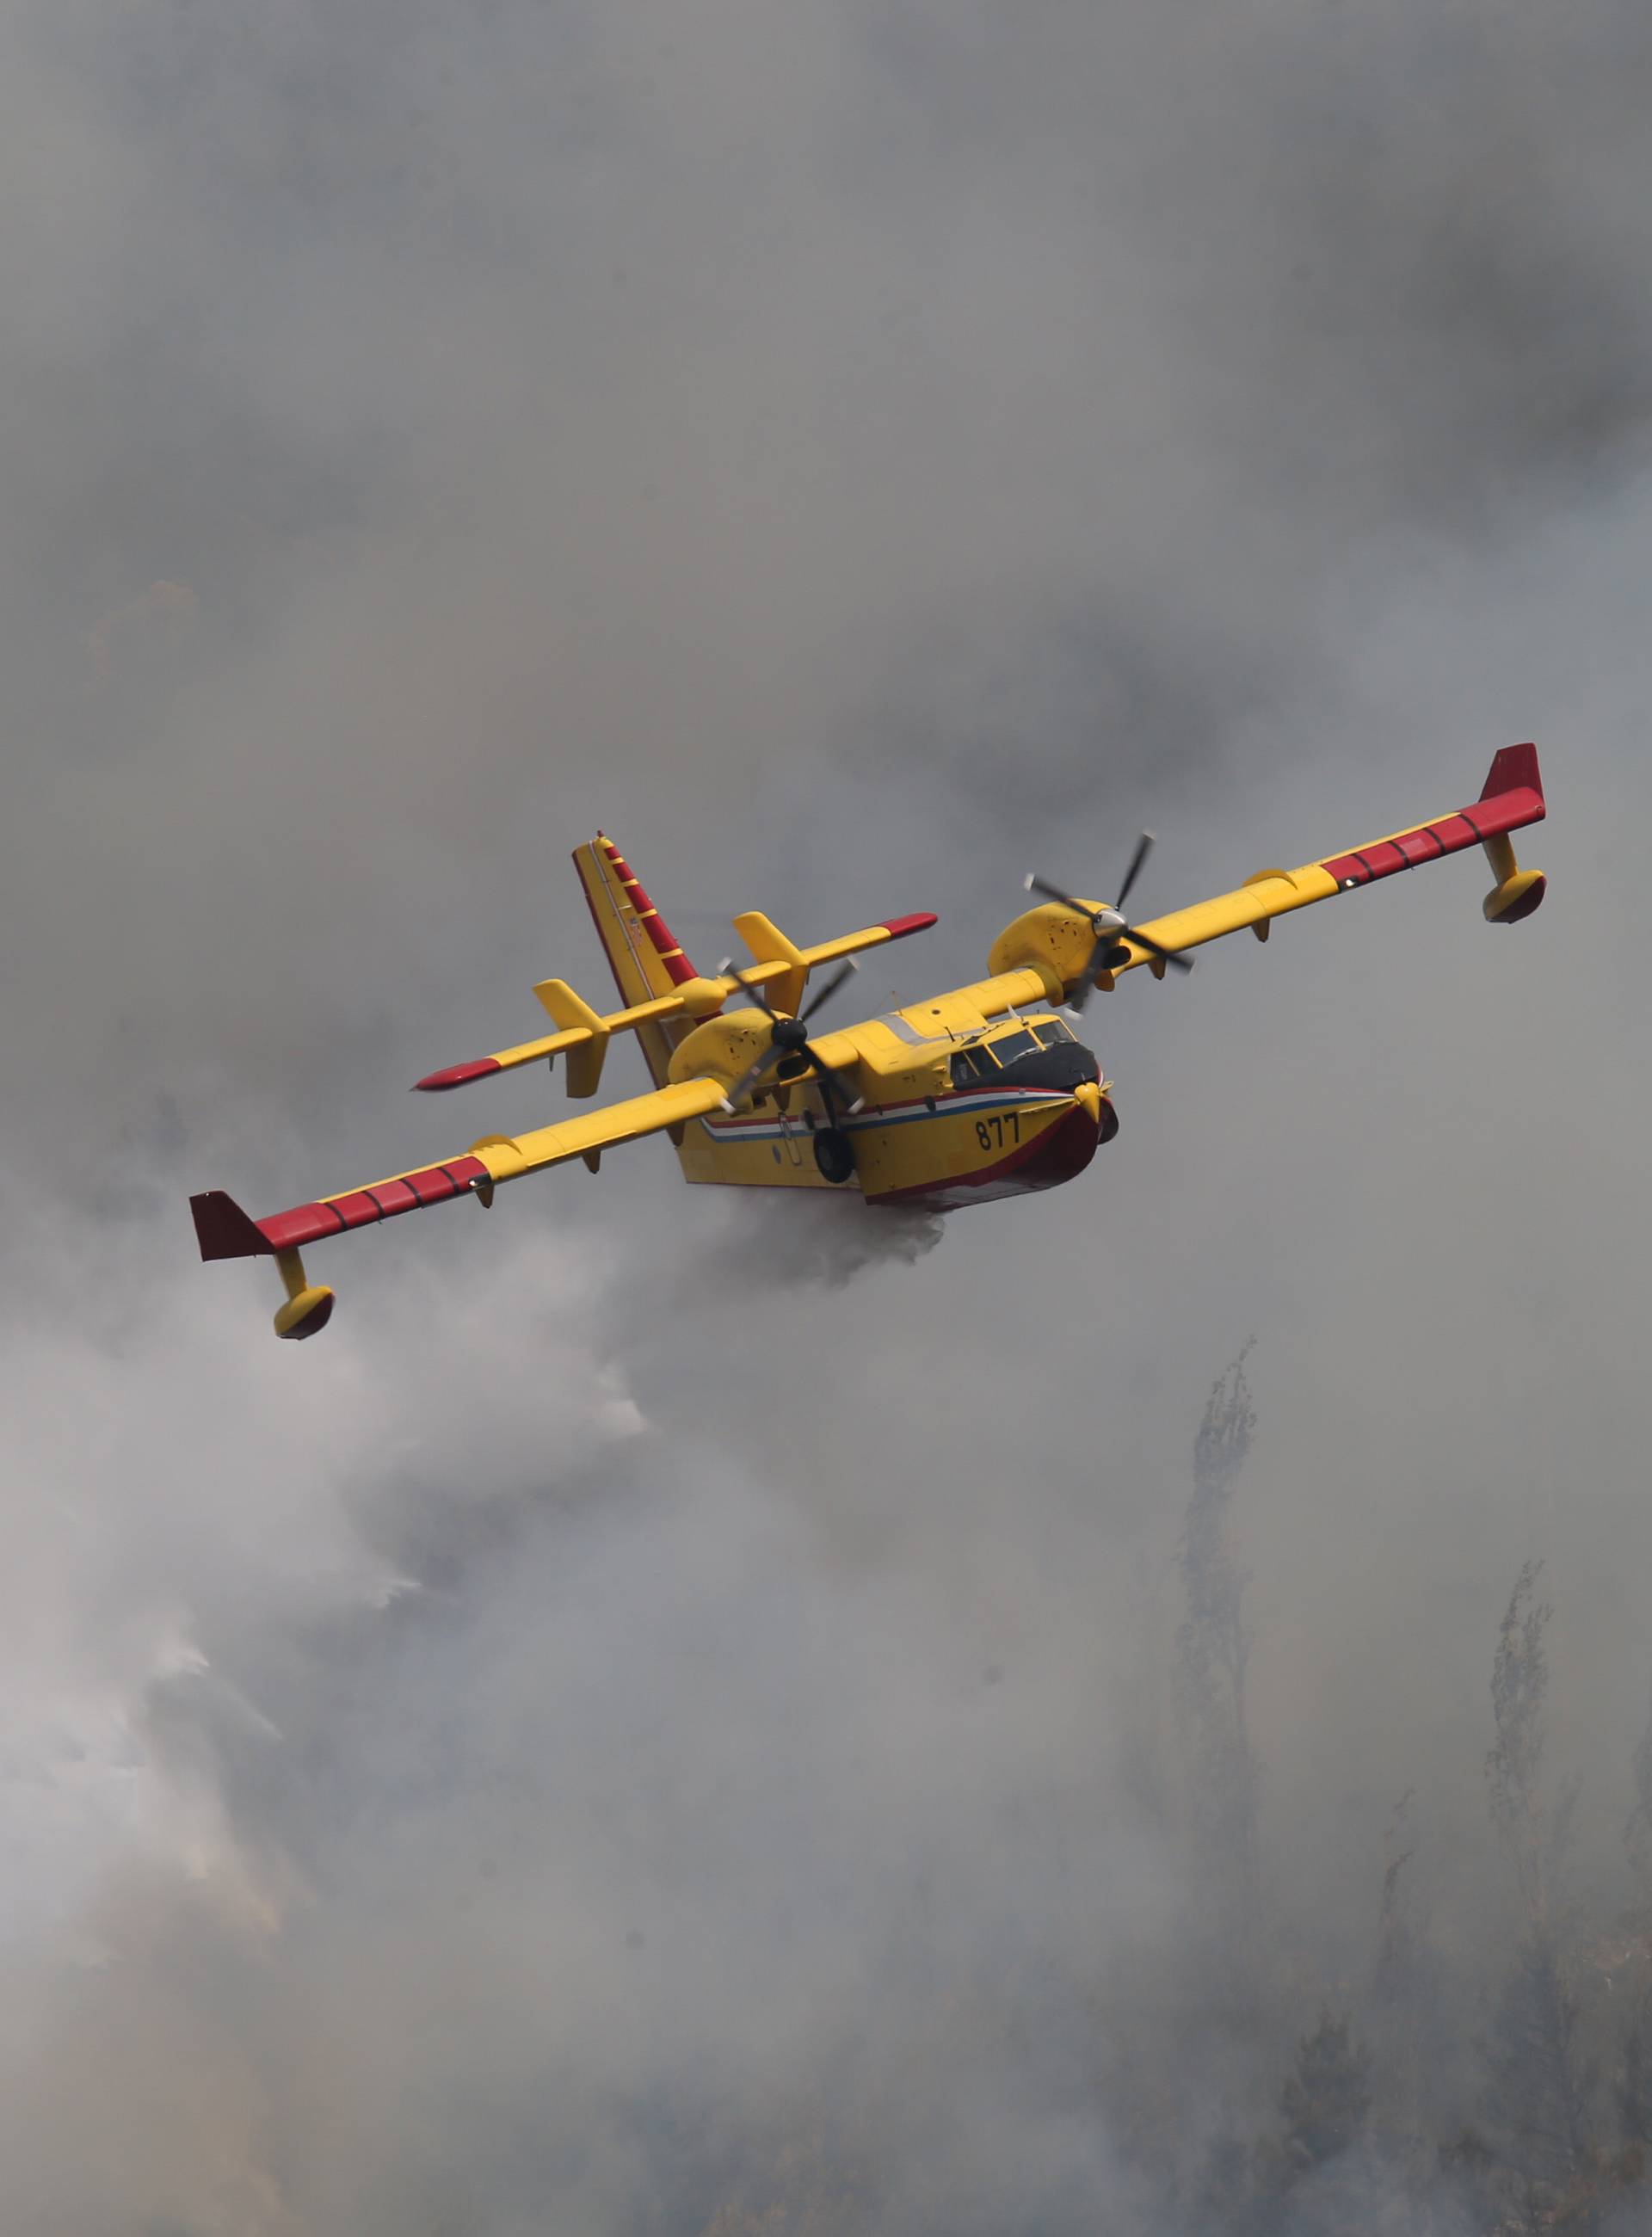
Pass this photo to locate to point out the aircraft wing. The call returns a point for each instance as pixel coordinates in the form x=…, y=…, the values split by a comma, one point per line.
x=1513, y=797
x=224, y=1231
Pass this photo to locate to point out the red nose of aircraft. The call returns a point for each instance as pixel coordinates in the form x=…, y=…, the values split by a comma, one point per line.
x=1089, y=1097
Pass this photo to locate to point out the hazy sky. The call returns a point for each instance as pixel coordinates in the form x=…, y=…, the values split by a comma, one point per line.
x=655, y=1660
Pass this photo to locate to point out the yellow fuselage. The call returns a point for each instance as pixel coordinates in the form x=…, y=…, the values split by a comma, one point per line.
x=956, y=1108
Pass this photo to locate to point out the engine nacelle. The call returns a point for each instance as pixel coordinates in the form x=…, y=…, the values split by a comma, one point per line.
x=723, y=1048
x=1056, y=942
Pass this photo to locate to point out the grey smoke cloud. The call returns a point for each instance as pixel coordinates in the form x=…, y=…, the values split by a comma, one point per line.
x=662, y=1686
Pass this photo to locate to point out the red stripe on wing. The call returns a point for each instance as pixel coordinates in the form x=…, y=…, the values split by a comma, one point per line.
x=313, y=1223
x=1348, y=870
x=305, y=1223
x=1494, y=812
x=1508, y=811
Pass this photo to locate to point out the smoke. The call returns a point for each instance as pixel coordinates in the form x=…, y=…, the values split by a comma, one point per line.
x=815, y=1240
x=662, y=1719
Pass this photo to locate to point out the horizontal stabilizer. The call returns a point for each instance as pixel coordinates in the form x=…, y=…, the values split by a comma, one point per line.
x=697, y=998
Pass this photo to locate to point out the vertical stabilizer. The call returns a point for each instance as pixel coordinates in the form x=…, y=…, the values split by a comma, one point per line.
x=643, y=954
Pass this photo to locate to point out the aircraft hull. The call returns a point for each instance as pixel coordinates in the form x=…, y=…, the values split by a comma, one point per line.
x=1054, y=1148
x=933, y=1154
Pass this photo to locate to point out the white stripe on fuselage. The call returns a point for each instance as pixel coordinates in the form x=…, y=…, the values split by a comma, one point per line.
x=897, y=1114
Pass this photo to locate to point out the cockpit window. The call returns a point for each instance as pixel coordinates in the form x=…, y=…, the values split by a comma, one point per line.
x=1014, y=1045
x=971, y=1066
x=1051, y=1030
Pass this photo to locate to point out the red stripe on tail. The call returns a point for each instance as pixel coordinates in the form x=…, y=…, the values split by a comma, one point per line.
x=666, y=945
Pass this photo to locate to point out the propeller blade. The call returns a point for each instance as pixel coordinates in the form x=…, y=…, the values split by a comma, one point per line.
x=1111, y=933
x=845, y=1094
x=747, y=986
x=779, y=1051
x=1037, y=885
x=845, y=970
x=1086, y=987
x=837, y=1084
x=753, y=1074
x=1166, y=955
x=1144, y=848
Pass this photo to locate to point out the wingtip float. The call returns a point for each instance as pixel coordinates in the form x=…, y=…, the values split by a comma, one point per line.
x=981, y=1093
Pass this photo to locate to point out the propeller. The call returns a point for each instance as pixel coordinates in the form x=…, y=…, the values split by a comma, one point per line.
x=789, y=1039
x=1110, y=926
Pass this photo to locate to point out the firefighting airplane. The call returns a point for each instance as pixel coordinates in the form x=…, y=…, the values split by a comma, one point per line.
x=982, y=1093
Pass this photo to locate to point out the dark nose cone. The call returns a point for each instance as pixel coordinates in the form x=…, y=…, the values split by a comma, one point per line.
x=1065, y=1066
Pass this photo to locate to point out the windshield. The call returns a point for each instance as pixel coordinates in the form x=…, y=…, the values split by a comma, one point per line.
x=970, y=1066
x=1014, y=1045
x=1051, y=1030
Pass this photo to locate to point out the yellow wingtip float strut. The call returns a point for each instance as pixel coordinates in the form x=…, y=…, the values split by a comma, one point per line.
x=981, y=1093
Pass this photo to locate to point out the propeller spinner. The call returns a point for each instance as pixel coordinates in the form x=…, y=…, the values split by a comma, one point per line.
x=1110, y=926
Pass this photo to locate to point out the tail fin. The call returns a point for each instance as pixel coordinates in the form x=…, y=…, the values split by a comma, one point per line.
x=643, y=954
x=1514, y=768
x=224, y=1231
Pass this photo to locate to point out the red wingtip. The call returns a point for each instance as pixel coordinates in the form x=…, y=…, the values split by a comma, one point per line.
x=898, y=927
x=1514, y=769
x=457, y=1074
